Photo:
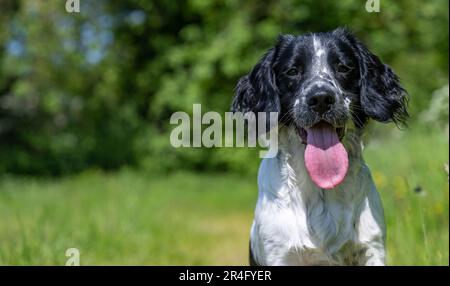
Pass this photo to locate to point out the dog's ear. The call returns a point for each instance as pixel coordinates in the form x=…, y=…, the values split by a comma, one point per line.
x=382, y=96
x=257, y=91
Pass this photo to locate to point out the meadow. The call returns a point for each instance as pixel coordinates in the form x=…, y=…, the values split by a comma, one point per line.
x=132, y=217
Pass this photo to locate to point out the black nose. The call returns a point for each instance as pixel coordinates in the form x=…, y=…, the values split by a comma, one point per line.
x=321, y=101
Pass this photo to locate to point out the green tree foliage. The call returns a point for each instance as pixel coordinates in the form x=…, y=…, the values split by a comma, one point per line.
x=97, y=88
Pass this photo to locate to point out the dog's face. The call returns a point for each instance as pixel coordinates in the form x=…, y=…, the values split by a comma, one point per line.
x=329, y=77
x=318, y=78
x=319, y=83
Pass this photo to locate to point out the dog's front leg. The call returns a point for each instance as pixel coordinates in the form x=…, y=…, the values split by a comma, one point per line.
x=375, y=256
x=371, y=227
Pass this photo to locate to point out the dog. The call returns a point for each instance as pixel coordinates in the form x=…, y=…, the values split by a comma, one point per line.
x=317, y=203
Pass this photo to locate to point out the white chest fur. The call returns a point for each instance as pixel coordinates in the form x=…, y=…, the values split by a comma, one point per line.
x=297, y=223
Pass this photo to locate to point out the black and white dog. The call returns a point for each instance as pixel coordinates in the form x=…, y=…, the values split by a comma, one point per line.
x=317, y=203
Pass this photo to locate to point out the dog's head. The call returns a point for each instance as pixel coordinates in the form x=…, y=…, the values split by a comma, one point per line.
x=320, y=83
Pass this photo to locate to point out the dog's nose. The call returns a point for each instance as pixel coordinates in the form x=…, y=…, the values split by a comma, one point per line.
x=321, y=101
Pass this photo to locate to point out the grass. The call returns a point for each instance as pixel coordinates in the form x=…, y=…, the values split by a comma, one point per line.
x=415, y=193
x=134, y=218
x=126, y=218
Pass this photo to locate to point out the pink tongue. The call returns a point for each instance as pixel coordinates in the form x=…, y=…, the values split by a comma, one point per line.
x=325, y=157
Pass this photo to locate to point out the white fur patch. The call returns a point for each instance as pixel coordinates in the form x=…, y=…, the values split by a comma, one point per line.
x=318, y=47
x=320, y=52
x=347, y=102
x=320, y=65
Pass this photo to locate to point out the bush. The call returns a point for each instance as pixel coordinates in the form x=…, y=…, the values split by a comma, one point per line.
x=97, y=88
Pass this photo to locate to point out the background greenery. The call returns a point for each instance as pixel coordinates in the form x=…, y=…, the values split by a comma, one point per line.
x=85, y=102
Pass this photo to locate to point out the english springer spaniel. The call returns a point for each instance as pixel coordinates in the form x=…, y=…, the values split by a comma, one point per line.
x=317, y=202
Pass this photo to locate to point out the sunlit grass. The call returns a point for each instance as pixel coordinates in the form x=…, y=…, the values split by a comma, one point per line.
x=135, y=218
x=409, y=172
x=126, y=218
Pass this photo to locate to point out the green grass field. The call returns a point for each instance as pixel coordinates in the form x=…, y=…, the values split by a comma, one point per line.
x=135, y=218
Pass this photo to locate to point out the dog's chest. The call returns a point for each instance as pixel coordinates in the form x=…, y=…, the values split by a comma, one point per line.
x=314, y=229
x=297, y=223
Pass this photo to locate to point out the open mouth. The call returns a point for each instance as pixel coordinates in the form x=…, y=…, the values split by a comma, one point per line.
x=304, y=134
x=326, y=159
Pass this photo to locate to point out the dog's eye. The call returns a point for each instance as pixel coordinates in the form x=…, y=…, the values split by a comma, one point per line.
x=292, y=72
x=342, y=68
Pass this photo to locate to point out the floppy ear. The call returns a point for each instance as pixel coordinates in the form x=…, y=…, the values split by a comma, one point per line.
x=257, y=91
x=382, y=96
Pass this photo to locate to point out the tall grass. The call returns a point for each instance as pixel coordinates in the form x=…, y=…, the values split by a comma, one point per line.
x=408, y=170
x=134, y=218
